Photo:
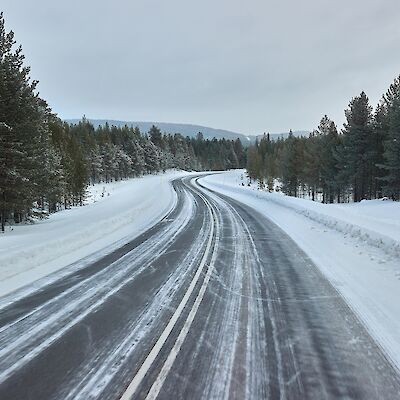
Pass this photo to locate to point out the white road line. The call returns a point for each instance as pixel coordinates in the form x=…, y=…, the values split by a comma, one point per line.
x=137, y=380
x=158, y=383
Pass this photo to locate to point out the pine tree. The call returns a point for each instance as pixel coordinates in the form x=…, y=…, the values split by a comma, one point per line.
x=254, y=163
x=291, y=166
x=25, y=115
x=76, y=172
x=11, y=179
x=312, y=163
x=356, y=147
x=329, y=141
x=392, y=150
x=380, y=129
x=151, y=157
x=240, y=153
x=155, y=136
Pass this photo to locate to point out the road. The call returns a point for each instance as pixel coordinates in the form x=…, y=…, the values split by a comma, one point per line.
x=213, y=302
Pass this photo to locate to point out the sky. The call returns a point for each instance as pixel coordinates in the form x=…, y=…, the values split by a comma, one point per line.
x=248, y=66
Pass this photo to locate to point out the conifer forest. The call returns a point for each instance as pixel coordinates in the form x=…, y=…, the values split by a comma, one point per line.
x=361, y=161
x=47, y=164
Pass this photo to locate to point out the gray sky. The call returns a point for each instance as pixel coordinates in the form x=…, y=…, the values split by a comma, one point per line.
x=248, y=66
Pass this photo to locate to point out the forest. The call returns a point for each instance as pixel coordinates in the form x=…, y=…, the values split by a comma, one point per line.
x=46, y=164
x=361, y=161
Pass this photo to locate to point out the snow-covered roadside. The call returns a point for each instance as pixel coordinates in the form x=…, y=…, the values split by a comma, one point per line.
x=127, y=208
x=364, y=269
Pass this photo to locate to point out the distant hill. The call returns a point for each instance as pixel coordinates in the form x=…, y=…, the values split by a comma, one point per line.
x=172, y=128
x=190, y=130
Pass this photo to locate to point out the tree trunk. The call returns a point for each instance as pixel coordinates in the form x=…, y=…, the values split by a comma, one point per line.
x=3, y=213
x=355, y=191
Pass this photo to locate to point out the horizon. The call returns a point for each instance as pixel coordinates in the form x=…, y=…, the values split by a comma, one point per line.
x=183, y=123
x=269, y=67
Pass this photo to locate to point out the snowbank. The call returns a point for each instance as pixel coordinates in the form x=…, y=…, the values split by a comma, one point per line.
x=356, y=246
x=114, y=214
x=374, y=222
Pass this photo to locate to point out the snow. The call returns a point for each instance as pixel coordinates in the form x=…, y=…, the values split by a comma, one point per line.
x=114, y=214
x=356, y=246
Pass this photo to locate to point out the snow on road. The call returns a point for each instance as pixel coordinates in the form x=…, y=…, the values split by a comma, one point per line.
x=356, y=246
x=114, y=213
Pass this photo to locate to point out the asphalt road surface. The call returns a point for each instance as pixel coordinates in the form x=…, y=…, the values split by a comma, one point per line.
x=213, y=302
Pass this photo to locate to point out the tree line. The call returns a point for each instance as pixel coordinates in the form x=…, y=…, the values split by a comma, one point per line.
x=362, y=161
x=47, y=164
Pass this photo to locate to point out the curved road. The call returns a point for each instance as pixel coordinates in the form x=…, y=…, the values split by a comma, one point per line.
x=213, y=302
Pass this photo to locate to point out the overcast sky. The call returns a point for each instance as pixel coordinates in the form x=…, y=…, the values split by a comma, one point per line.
x=248, y=66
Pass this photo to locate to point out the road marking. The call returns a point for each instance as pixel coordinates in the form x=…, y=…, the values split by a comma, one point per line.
x=138, y=378
x=158, y=383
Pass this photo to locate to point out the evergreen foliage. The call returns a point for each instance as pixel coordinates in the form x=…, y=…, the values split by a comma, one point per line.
x=356, y=150
x=391, y=140
x=25, y=136
x=360, y=162
x=47, y=165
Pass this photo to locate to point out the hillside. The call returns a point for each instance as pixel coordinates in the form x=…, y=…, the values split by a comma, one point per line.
x=166, y=127
x=191, y=130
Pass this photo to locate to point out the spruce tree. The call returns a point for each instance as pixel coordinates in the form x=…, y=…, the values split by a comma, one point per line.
x=24, y=117
x=380, y=129
x=291, y=166
x=312, y=163
x=356, y=147
x=329, y=140
x=11, y=179
x=392, y=151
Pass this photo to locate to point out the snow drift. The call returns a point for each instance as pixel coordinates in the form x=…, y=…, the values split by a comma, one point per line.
x=356, y=246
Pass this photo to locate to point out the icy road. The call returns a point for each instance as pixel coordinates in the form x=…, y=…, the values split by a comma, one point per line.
x=213, y=302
